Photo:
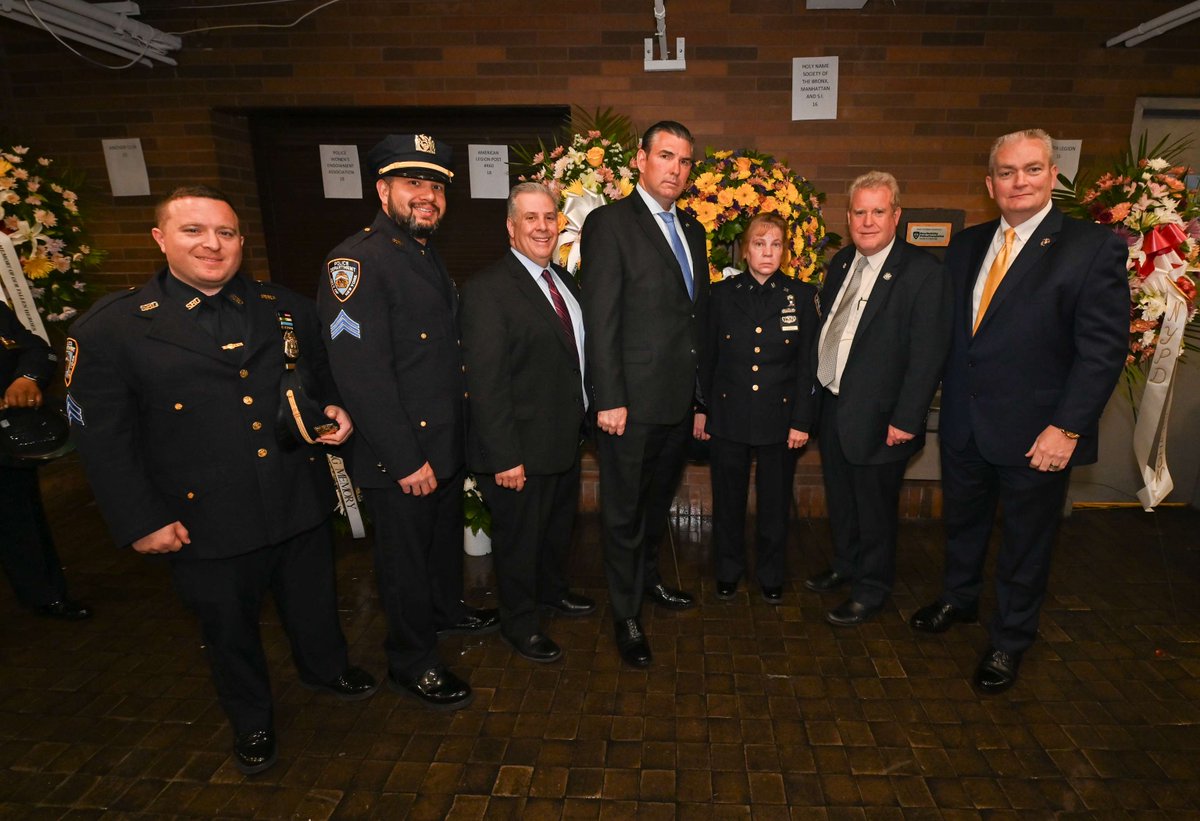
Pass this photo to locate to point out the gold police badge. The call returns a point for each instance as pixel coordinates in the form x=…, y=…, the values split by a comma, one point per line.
x=423, y=142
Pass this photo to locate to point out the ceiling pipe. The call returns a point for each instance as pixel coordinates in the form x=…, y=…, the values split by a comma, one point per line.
x=1156, y=26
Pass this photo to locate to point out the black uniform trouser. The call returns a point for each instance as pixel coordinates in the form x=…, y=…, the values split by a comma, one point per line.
x=226, y=595
x=1032, y=502
x=864, y=510
x=730, y=464
x=639, y=472
x=531, y=536
x=26, y=546
x=419, y=568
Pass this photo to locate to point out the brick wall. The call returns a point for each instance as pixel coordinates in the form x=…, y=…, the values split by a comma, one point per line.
x=925, y=85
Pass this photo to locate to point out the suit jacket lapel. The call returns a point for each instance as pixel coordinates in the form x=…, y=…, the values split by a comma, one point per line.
x=889, y=272
x=649, y=225
x=1032, y=252
x=975, y=259
x=541, y=306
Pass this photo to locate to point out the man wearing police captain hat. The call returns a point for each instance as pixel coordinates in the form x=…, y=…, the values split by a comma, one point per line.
x=390, y=316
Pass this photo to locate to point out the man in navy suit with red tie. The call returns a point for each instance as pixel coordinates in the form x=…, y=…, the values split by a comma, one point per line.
x=1041, y=316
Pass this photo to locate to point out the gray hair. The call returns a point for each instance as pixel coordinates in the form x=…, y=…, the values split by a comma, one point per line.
x=877, y=179
x=1025, y=134
x=526, y=188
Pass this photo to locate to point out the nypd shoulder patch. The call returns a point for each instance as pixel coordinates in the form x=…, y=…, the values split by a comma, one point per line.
x=344, y=274
x=343, y=323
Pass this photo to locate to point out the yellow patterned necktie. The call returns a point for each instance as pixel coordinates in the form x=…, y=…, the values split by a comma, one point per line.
x=994, y=276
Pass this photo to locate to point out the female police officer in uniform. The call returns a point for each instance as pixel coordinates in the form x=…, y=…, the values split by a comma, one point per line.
x=756, y=380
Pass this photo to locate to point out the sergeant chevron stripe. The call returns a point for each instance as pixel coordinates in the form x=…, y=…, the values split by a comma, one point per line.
x=343, y=322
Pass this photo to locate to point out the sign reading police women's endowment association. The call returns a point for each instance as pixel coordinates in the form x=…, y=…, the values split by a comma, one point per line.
x=340, y=174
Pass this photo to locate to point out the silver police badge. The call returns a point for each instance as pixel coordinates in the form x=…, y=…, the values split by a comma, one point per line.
x=343, y=277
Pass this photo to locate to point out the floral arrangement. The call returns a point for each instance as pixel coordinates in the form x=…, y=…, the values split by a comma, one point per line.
x=731, y=187
x=587, y=169
x=476, y=514
x=39, y=211
x=1145, y=201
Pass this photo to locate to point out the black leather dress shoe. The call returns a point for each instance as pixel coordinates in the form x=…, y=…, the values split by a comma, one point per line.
x=772, y=595
x=939, y=617
x=824, y=582
x=726, y=590
x=851, y=614
x=254, y=752
x=478, y=621
x=632, y=644
x=670, y=598
x=537, y=647
x=64, y=609
x=997, y=671
x=572, y=604
x=354, y=684
x=437, y=688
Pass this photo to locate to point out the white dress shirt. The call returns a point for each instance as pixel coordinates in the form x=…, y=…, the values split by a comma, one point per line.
x=572, y=307
x=1021, y=235
x=657, y=209
x=866, y=284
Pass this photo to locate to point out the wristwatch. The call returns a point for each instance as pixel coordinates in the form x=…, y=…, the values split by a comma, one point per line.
x=1068, y=434
x=36, y=381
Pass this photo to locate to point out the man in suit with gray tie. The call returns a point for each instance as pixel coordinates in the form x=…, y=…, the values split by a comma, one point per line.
x=645, y=272
x=523, y=345
x=886, y=308
x=1041, y=323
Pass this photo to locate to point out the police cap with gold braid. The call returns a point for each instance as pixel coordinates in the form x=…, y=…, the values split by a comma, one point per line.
x=418, y=156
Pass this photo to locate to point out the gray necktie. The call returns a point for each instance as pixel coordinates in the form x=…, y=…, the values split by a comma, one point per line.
x=677, y=247
x=827, y=362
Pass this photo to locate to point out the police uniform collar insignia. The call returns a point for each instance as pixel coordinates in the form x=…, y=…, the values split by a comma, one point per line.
x=148, y=306
x=270, y=297
x=236, y=300
x=71, y=352
x=344, y=275
x=192, y=303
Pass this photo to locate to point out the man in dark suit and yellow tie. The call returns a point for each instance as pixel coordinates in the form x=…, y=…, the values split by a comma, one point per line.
x=645, y=288
x=878, y=359
x=1041, y=316
x=523, y=345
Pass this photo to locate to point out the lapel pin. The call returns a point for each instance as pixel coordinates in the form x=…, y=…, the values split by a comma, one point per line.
x=887, y=276
x=1046, y=242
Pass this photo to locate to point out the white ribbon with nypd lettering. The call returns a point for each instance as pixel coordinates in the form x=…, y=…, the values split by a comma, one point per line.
x=1150, y=432
x=16, y=286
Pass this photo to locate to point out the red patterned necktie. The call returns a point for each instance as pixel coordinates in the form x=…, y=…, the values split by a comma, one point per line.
x=560, y=307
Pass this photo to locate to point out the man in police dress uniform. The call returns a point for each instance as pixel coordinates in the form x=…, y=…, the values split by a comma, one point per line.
x=174, y=391
x=390, y=317
x=26, y=547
